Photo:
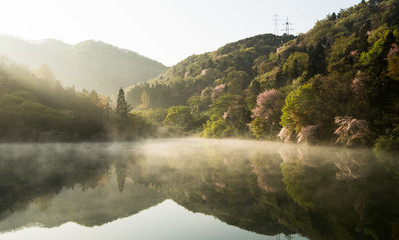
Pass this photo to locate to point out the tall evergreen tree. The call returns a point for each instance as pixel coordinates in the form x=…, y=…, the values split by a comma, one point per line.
x=121, y=106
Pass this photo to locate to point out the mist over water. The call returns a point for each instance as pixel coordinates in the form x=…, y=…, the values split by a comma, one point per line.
x=267, y=188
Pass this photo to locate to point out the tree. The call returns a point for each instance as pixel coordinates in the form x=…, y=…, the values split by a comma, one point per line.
x=296, y=64
x=350, y=130
x=228, y=117
x=236, y=81
x=45, y=74
x=393, y=67
x=259, y=127
x=375, y=60
x=267, y=114
x=269, y=105
x=145, y=100
x=215, y=128
x=298, y=110
x=180, y=118
x=317, y=60
x=252, y=93
x=121, y=106
x=333, y=16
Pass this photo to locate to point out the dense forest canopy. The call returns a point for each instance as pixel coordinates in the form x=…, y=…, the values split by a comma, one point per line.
x=337, y=83
x=89, y=64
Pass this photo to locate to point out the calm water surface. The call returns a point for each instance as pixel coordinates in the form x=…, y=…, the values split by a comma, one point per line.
x=196, y=189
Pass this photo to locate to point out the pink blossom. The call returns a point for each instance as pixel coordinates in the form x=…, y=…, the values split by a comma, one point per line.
x=204, y=71
x=217, y=91
x=350, y=129
x=393, y=50
x=269, y=104
x=285, y=134
x=225, y=115
x=306, y=133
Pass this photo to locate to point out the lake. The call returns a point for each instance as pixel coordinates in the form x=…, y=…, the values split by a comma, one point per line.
x=193, y=188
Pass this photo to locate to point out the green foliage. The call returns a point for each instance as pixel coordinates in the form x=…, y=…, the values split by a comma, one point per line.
x=296, y=64
x=141, y=126
x=216, y=128
x=260, y=127
x=339, y=52
x=388, y=141
x=236, y=81
x=393, y=68
x=231, y=65
x=37, y=110
x=268, y=80
x=157, y=116
x=252, y=93
x=181, y=121
x=292, y=174
x=223, y=102
x=370, y=57
x=148, y=123
x=347, y=65
x=121, y=106
x=298, y=109
x=229, y=116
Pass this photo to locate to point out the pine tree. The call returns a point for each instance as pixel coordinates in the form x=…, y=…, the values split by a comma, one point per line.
x=121, y=106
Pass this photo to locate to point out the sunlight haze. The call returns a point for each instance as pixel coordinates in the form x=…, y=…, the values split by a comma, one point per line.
x=180, y=119
x=166, y=31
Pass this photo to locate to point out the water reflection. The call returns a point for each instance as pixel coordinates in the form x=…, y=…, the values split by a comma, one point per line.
x=266, y=188
x=52, y=184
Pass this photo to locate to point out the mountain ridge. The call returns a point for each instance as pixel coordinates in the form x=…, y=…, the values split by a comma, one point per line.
x=89, y=64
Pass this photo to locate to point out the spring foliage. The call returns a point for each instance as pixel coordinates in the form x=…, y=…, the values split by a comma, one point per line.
x=303, y=87
x=300, y=87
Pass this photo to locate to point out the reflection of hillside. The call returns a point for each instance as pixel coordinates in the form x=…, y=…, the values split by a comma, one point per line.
x=353, y=191
x=280, y=189
x=54, y=184
x=217, y=178
x=322, y=193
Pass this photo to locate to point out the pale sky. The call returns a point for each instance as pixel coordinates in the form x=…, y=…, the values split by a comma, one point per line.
x=165, y=30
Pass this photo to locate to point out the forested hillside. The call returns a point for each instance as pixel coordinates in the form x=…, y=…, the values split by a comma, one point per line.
x=90, y=64
x=232, y=64
x=337, y=83
x=35, y=107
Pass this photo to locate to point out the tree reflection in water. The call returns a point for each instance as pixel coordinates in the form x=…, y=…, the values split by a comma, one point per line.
x=264, y=187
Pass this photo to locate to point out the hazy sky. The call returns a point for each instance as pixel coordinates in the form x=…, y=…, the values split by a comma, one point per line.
x=165, y=30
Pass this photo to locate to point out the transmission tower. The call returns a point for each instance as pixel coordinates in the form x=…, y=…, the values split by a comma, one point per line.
x=287, y=27
x=276, y=20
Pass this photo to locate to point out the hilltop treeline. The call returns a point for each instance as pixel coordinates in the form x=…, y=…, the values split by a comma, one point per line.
x=336, y=83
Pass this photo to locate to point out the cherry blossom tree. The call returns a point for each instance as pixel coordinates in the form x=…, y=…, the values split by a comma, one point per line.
x=350, y=130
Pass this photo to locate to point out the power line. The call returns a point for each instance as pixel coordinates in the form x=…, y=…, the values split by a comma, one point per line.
x=276, y=20
x=287, y=27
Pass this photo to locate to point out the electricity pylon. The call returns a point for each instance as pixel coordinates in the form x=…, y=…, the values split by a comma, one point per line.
x=287, y=27
x=276, y=20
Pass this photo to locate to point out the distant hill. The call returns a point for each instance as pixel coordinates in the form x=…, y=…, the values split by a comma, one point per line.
x=89, y=64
